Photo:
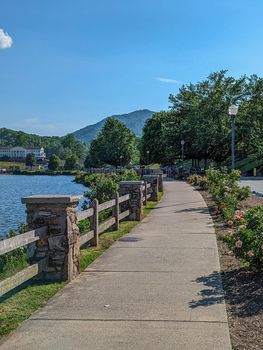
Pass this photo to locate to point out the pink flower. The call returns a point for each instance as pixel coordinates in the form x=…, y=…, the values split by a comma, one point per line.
x=250, y=253
x=230, y=222
x=225, y=194
x=231, y=253
x=238, y=244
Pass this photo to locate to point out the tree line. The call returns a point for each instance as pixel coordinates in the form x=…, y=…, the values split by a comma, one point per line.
x=199, y=115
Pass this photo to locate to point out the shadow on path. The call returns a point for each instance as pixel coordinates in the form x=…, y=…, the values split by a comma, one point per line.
x=243, y=291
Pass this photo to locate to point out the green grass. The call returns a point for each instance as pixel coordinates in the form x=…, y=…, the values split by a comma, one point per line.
x=5, y=165
x=19, y=304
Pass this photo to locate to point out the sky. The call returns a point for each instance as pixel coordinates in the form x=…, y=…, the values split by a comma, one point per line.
x=67, y=64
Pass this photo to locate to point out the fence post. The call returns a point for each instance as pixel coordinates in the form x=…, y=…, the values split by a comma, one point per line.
x=94, y=221
x=154, y=189
x=116, y=211
x=135, y=203
x=61, y=246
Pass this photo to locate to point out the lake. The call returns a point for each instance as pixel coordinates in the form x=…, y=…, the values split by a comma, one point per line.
x=13, y=187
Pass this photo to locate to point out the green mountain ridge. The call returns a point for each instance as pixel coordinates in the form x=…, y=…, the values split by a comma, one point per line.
x=134, y=121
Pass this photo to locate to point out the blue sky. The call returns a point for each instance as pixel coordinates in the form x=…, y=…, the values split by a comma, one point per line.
x=71, y=63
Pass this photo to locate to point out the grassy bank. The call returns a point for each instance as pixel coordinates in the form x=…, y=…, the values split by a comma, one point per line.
x=19, y=304
x=5, y=165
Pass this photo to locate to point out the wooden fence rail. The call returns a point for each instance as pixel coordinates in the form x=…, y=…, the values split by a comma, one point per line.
x=24, y=239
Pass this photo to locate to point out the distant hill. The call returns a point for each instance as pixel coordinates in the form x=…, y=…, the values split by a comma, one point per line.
x=134, y=121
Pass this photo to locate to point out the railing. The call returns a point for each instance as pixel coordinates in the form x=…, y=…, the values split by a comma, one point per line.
x=10, y=244
x=43, y=233
x=93, y=212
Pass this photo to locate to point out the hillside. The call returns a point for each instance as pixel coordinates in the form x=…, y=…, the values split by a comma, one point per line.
x=60, y=146
x=134, y=121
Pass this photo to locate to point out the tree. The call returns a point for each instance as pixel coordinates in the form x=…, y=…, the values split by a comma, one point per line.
x=30, y=160
x=114, y=145
x=72, y=162
x=54, y=162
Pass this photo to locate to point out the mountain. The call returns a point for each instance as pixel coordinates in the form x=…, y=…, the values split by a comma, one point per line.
x=134, y=121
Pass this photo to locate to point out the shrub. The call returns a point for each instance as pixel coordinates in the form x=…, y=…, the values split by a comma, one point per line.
x=246, y=241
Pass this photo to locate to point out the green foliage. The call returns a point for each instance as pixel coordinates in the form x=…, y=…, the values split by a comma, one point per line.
x=197, y=180
x=60, y=146
x=199, y=115
x=14, y=261
x=114, y=145
x=245, y=235
x=103, y=186
x=30, y=160
x=225, y=189
x=54, y=162
x=72, y=162
x=246, y=241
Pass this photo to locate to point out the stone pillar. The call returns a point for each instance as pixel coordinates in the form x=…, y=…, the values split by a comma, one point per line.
x=160, y=174
x=154, y=189
x=61, y=246
x=135, y=204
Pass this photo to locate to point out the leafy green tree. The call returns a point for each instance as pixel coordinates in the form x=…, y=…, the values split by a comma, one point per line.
x=72, y=162
x=115, y=145
x=30, y=160
x=54, y=162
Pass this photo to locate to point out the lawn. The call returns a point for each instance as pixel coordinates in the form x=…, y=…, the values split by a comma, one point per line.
x=19, y=304
x=5, y=165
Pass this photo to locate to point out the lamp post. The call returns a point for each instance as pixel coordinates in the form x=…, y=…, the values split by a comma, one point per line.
x=182, y=144
x=148, y=160
x=232, y=111
x=121, y=161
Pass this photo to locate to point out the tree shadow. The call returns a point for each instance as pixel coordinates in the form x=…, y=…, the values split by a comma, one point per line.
x=243, y=291
x=202, y=210
x=211, y=295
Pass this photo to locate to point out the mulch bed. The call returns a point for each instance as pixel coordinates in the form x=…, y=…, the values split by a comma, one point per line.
x=243, y=287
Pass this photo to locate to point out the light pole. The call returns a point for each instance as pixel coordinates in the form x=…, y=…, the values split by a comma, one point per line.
x=232, y=111
x=182, y=144
x=121, y=161
x=148, y=160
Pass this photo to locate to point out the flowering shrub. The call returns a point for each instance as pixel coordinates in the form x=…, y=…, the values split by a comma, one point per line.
x=226, y=191
x=245, y=229
x=246, y=241
x=197, y=180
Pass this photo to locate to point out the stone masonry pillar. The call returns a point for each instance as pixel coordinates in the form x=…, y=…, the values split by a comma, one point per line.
x=154, y=189
x=61, y=246
x=135, y=204
x=160, y=181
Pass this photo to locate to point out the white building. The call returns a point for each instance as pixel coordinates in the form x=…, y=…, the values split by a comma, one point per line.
x=20, y=153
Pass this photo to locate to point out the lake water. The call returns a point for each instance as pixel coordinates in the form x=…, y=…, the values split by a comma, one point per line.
x=13, y=187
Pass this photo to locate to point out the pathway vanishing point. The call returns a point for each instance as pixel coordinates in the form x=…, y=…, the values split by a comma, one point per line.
x=157, y=288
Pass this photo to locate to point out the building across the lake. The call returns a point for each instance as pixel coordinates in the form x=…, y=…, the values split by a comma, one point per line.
x=20, y=153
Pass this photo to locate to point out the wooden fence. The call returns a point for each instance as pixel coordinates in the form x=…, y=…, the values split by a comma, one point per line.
x=97, y=228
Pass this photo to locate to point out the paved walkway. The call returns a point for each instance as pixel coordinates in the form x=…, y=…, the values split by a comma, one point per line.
x=158, y=288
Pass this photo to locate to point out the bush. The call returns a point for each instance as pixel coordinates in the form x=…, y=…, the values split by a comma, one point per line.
x=246, y=241
x=197, y=180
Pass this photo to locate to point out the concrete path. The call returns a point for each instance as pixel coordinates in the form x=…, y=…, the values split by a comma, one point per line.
x=158, y=288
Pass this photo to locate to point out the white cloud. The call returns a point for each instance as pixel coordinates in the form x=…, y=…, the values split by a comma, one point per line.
x=5, y=40
x=168, y=80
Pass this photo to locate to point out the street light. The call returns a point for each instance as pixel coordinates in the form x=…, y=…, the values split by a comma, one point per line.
x=148, y=160
x=121, y=161
x=182, y=144
x=232, y=111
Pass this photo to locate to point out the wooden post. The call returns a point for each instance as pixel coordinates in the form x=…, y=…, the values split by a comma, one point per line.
x=95, y=222
x=116, y=211
x=145, y=193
